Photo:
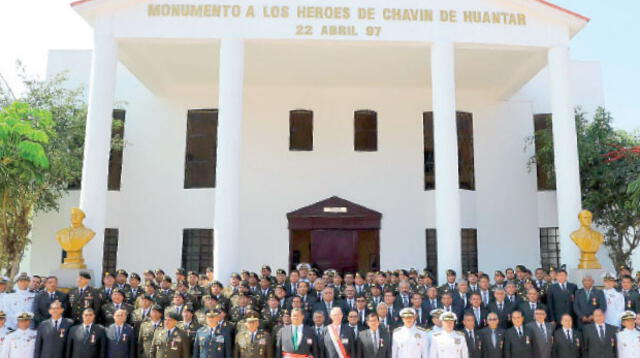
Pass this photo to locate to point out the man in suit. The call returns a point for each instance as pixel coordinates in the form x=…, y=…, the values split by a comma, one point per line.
x=461, y=295
x=599, y=338
x=501, y=307
x=327, y=303
x=44, y=299
x=518, y=341
x=471, y=335
x=512, y=294
x=560, y=296
x=422, y=310
x=338, y=336
x=305, y=344
x=449, y=305
x=121, y=338
x=170, y=341
x=431, y=302
x=477, y=310
x=542, y=334
x=491, y=338
x=529, y=307
x=393, y=314
x=83, y=296
x=213, y=340
x=117, y=301
x=587, y=300
x=374, y=342
x=87, y=339
x=51, y=341
x=566, y=340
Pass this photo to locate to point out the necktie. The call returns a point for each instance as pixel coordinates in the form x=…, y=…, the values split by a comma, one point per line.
x=295, y=338
x=376, y=341
x=169, y=335
x=601, y=329
x=484, y=297
x=519, y=332
x=588, y=294
x=500, y=306
x=81, y=291
x=533, y=307
x=56, y=325
x=405, y=300
x=493, y=338
x=477, y=312
x=253, y=336
x=544, y=331
x=564, y=287
x=53, y=296
x=86, y=331
x=568, y=333
x=119, y=332
x=473, y=339
x=319, y=331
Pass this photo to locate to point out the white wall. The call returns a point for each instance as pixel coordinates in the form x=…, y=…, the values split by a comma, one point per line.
x=152, y=208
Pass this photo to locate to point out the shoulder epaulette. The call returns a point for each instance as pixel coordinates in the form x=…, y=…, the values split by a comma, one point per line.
x=437, y=334
x=397, y=329
x=422, y=329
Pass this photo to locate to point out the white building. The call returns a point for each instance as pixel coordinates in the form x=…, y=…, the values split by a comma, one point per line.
x=320, y=99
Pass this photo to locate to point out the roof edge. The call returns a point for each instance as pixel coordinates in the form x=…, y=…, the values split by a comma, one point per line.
x=544, y=2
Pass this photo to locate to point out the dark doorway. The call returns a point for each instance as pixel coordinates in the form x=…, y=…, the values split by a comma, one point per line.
x=335, y=233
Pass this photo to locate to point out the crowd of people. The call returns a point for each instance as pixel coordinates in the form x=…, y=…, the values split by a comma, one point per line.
x=306, y=313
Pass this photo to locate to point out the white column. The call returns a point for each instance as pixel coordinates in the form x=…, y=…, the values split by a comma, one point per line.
x=95, y=166
x=565, y=150
x=445, y=138
x=226, y=224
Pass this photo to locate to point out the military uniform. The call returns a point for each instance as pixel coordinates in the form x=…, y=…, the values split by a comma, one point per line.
x=15, y=303
x=212, y=343
x=145, y=338
x=260, y=347
x=4, y=331
x=628, y=343
x=410, y=342
x=448, y=345
x=19, y=344
x=191, y=329
x=170, y=345
x=78, y=302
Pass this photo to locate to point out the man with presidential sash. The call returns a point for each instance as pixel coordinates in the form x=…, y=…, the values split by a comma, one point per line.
x=339, y=341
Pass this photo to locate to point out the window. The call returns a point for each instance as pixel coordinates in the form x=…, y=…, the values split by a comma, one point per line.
x=429, y=167
x=432, y=253
x=366, y=131
x=301, y=130
x=197, y=249
x=115, y=155
x=469, y=250
x=200, y=158
x=546, y=181
x=110, y=250
x=549, y=247
x=466, y=170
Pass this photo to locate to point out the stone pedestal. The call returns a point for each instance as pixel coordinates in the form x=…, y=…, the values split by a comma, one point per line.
x=576, y=275
x=67, y=276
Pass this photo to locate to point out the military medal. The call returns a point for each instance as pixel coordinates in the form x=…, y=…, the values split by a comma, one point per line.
x=456, y=340
x=578, y=342
x=93, y=338
x=629, y=304
x=613, y=342
x=382, y=342
x=527, y=340
x=594, y=302
x=417, y=335
x=124, y=337
x=262, y=341
x=61, y=332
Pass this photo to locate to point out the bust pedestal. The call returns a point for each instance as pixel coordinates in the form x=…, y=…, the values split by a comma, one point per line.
x=577, y=274
x=67, y=276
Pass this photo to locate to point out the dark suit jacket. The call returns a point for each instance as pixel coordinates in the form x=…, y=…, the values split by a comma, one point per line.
x=483, y=317
x=528, y=314
x=365, y=346
x=518, y=347
x=41, y=305
x=123, y=346
x=52, y=343
x=561, y=301
x=504, y=315
x=563, y=348
x=308, y=343
x=93, y=345
x=348, y=339
x=584, y=307
x=474, y=345
x=322, y=306
x=488, y=350
x=543, y=341
x=594, y=347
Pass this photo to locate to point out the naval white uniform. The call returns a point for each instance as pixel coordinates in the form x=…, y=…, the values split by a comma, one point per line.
x=628, y=343
x=410, y=342
x=448, y=345
x=19, y=344
x=18, y=302
x=615, y=306
x=4, y=331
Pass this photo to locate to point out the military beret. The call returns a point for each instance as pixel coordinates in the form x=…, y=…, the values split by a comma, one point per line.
x=627, y=315
x=448, y=316
x=135, y=276
x=284, y=312
x=252, y=316
x=520, y=268
x=173, y=314
x=25, y=316
x=181, y=271
x=407, y=312
x=149, y=272
x=552, y=269
x=3, y=315
x=266, y=267
x=122, y=272
x=157, y=307
x=85, y=274
x=23, y=277
x=108, y=274
x=451, y=272
x=167, y=279
x=159, y=271
x=281, y=272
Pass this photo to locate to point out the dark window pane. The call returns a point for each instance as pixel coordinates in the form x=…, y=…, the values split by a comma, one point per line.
x=110, y=250
x=549, y=247
x=542, y=122
x=365, y=131
x=115, y=155
x=200, y=155
x=466, y=169
x=300, y=130
x=469, y=250
x=429, y=167
x=197, y=249
x=432, y=253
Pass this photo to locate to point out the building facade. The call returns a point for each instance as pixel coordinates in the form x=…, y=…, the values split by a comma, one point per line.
x=352, y=135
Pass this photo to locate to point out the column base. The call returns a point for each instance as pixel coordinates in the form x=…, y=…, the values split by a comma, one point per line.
x=67, y=276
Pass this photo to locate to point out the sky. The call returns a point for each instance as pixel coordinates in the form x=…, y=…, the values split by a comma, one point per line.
x=29, y=28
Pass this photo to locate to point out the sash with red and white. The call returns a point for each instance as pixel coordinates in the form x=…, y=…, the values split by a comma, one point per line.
x=337, y=342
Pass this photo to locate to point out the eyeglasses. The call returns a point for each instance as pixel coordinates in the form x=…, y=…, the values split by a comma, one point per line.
x=492, y=319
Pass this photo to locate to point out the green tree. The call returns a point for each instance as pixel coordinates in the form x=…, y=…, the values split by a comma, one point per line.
x=41, y=143
x=605, y=182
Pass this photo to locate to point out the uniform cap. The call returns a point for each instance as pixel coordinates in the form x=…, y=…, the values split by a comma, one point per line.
x=607, y=276
x=281, y=272
x=251, y=316
x=451, y=273
x=108, y=274
x=407, y=312
x=181, y=271
x=627, y=315
x=23, y=277
x=173, y=314
x=25, y=316
x=266, y=267
x=122, y=272
x=136, y=276
x=3, y=315
x=213, y=313
x=436, y=312
x=448, y=316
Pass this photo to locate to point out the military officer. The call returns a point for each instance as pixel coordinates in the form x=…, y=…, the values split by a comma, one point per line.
x=448, y=343
x=142, y=314
x=117, y=302
x=253, y=342
x=628, y=338
x=108, y=284
x=121, y=280
x=189, y=323
x=170, y=341
x=22, y=342
x=4, y=331
x=410, y=340
x=19, y=301
x=83, y=296
x=213, y=341
x=147, y=331
x=135, y=289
